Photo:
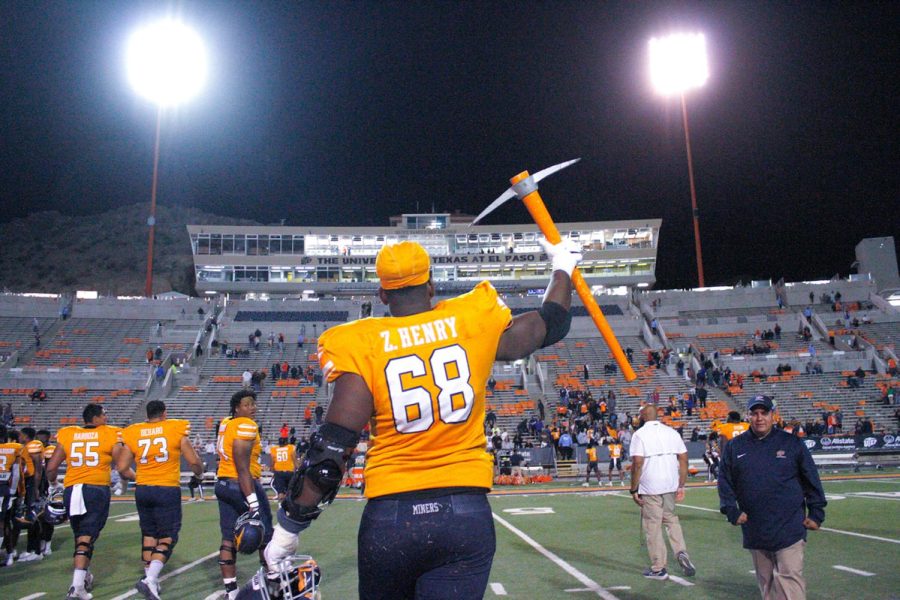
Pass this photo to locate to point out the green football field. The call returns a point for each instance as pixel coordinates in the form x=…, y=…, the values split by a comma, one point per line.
x=562, y=541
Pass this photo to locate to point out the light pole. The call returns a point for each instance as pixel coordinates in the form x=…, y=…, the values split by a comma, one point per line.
x=678, y=64
x=166, y=64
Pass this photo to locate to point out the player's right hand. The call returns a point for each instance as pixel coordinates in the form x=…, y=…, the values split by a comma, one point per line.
x=564, y=256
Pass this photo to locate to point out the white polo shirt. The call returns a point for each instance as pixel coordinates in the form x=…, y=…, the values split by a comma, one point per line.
x=660, y=446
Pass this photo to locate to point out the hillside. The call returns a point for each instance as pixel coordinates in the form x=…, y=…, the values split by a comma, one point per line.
x=107, y=252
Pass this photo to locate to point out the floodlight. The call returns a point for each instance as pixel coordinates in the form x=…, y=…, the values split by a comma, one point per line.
x=678, y=63
x=166, y=62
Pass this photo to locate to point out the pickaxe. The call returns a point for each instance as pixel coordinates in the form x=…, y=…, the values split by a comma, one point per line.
x=524, y=186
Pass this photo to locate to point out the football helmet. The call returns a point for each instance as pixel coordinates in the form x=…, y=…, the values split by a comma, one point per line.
x=54, y=512
x=25, y=515
x=249, y=532
x=294, y=578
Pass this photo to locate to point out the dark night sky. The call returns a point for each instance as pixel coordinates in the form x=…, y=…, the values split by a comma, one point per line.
x=343, y=113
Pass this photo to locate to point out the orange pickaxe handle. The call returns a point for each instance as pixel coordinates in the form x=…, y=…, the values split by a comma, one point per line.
x=535, y=205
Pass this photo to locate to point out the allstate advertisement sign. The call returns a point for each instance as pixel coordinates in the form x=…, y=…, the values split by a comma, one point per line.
x=851, y=443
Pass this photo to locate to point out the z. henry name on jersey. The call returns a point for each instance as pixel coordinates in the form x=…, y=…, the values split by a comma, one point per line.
x=438, y=330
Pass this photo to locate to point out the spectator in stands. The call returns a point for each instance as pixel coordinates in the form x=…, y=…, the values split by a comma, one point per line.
x=38, y=395
x=807, y=312
x=491, y=383
x=35, y=325
x=281, y=343
x=629, y=353
x=300, y=339
x=276, y=371
x=586, y=371
x=320, y=412
x=160, y=373
x=775, y=507
x=654, y=326
x=679, y=367
x=860, y=373
x=777, y=331
x=225, y=347
x=852, y=381
x=490, y=419
x=565, y=444
x=247, y=378
x=540, y=406
x=307, y=415
x=285, y=370
x=157, y=354
x=7, y=419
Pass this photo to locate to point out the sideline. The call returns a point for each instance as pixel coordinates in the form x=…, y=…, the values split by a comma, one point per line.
x=584, y=579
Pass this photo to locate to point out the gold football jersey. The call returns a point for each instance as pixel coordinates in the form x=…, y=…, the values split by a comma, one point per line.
x=10, y=455
x=730, y=430
x=427, y=373
x=157, y=450
x=282, y=458
x=88, y=453
x=237, y=428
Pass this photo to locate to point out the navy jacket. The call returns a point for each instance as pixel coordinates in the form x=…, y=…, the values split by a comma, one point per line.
x=774, y=480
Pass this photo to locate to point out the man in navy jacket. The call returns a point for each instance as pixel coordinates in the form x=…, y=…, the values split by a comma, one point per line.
x=769, y=485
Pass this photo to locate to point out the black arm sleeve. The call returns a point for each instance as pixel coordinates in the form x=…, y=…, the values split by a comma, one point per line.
x=557, y=319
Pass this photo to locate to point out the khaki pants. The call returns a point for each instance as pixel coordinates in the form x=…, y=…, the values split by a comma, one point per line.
x=657, y=512
x=780, y=574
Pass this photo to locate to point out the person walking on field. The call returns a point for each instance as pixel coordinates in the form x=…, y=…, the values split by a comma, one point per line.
x=769, y=485
x=658, y=473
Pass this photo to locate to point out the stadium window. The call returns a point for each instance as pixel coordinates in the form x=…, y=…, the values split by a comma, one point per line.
x=252, y=245
x=263, y=245
x=240, y=244
x=299, y=244
x=215, y=243
x=227, y=244
x=274, y=244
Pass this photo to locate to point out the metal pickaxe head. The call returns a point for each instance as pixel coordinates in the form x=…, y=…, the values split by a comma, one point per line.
x=523, y=187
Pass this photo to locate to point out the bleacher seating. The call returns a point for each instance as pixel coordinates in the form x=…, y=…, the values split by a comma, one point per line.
x=16, y=333
x=293, y=316
x=63, y=407
x=806, y=397
x=87, y=343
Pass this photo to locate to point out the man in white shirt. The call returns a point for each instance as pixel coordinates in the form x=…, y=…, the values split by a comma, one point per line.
x=658, y=472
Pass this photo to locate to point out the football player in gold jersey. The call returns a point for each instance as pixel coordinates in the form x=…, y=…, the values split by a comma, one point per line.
x=238, y=490
x=730, y=429
x=283, y=465
x=34, y=453
x=89, y=452
x=419, y=376
x=11, y=466
x=156, y=447
x=46, y=528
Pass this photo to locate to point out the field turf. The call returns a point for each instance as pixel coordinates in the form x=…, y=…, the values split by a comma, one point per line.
x=556, y=541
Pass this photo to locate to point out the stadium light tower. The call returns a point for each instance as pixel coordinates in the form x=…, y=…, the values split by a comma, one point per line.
x=678, y=64
x=166, y=64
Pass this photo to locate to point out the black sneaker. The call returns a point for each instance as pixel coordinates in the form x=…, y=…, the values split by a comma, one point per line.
x=660, y=575
x=685, y=561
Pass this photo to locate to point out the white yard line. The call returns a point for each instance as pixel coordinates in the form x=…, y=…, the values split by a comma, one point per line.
x=177, y=571
x=680, y=581
x=854, y=571
x=581, y=577
x=498, y=589
x=33, y=596
x=829, y=529
x=862, y=535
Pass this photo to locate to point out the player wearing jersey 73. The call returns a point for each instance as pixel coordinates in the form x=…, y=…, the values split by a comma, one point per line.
x=156, y=447
x=419, y=376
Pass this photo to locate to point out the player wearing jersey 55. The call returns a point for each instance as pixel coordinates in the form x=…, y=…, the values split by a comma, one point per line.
x=156, y=447
x=419, y=376
x=89, y=451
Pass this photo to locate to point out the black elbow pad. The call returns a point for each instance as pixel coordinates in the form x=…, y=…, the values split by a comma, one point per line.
x=557, y=319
